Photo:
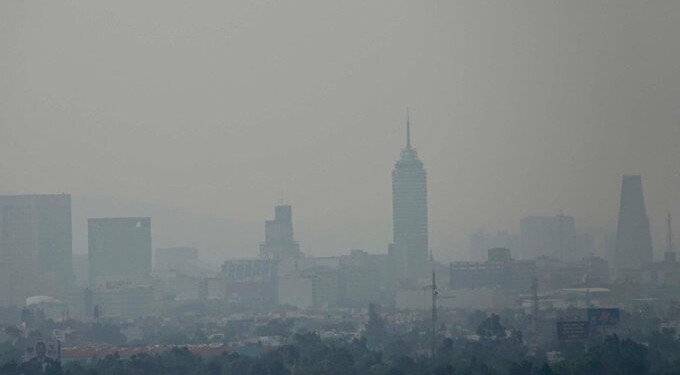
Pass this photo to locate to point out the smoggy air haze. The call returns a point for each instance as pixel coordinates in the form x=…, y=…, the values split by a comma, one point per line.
x=218, y=108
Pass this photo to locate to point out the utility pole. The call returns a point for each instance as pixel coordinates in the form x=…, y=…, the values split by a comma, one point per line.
x=534, y=307
x=434, y=313
x=587, y=280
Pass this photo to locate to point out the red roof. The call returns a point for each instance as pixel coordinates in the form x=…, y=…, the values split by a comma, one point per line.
x=127, y=352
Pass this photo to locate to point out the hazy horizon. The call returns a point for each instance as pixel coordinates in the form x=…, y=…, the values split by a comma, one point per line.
x=220, y=109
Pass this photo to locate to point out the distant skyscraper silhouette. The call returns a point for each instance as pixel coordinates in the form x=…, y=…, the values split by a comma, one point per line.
x=279, y=241
x=550, y=236
x=119, y=249
x=410, y=248
x=633, y=239
x=35, y=246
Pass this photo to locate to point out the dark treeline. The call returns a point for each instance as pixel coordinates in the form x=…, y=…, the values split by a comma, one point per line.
x=482, y=344
x=307, y=354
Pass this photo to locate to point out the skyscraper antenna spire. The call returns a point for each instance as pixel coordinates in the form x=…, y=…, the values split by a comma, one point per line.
x=408, y=129
x=669, y=234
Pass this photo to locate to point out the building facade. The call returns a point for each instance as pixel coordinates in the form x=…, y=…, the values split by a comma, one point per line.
x=251, y=283
x=499, y=271
x=119, y=249
x=410, y=247
x=123, y=300
x=35, y=246
x=279, y=240
x=633, y=238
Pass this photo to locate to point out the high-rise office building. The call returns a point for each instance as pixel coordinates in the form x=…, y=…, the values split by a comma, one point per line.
x=119, y=249
x=35, y=246
x=279, y=241
x=549, y=236
x=410, y=248
x=633, y=238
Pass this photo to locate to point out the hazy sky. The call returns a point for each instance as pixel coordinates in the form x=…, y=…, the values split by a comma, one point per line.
x=220, y=107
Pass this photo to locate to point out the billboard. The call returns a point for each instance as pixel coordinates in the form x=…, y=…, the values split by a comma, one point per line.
x=599, y=317
x=52, y=349
x=574, y=330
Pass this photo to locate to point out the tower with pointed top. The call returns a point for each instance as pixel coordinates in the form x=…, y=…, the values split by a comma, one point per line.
x=633, y=238
x=410, y=247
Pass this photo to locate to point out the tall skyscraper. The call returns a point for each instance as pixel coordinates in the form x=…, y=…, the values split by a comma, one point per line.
x=633, y=239
x=119, y=249
x=35, y=246
x=279, y=242
x=410, y=247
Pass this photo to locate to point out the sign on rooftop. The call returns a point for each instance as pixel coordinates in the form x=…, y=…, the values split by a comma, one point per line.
x=574, y=330
x=601, y=317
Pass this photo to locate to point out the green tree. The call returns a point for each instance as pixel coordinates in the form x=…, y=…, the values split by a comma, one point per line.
x=376, y=334
x=491, y=328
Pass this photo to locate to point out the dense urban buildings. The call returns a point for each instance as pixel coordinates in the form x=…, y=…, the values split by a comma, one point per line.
x=354, y=280
x=499, y=270
x=251, y=283
x=279, y=239
x=633, y=238
x=410, y=247
x=35, y=246
x=283, y=289
x=119, y=249
x=556, y=278
x=123, y=300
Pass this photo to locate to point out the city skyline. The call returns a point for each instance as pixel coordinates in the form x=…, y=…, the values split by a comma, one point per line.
x=292, y=188
x=173, y=216
x=509, y=125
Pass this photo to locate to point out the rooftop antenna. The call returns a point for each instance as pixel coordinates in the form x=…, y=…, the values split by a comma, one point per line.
x=669, y=234
x=434, y=313
x=562, y=257
x=408, y=129
x=534, y=307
